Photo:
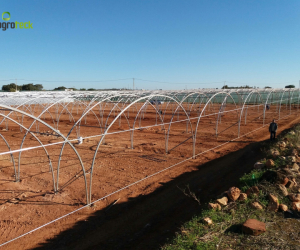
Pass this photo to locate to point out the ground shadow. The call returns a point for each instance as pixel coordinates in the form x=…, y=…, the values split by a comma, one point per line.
x=234, y=229
x=149, y=221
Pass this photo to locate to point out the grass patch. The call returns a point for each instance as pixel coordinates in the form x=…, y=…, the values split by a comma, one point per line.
x=226, y=230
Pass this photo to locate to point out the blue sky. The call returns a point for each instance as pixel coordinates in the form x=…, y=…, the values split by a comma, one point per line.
x=193, y=44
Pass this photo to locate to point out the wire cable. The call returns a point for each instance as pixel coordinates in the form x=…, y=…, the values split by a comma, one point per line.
x=119, y=190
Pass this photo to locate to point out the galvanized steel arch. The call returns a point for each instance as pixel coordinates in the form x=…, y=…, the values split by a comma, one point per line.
x=47, y=125
x=123, y=102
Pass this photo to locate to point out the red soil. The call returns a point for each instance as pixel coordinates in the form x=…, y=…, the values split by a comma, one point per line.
x=30, y=203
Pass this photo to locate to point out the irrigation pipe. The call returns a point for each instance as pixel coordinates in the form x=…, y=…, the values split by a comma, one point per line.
x=112, y=133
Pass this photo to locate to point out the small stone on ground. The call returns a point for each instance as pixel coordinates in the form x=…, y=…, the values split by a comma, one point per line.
x=254, y=227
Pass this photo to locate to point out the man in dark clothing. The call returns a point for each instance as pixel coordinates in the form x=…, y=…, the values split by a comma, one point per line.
x=272, y=129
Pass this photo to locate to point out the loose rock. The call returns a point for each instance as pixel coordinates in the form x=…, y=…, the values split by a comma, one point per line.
x=283, y=207
x=214, y=206
x=256, y=205
x=242, y=197
x=273, y=204
x=254, y=227
x=281, y=144
x=294, y=181
x=282, y=158
x=291, y=159
x=233, y=193
x=294, y=197
x=295, y=167
x=223, y=201
x=274, y=152
x=283, y=189
x=207, y=221
x=253, y=190
x=270, y=163
x=296, y=206
x=294, y=152
x=258, y=165
x=272, y=198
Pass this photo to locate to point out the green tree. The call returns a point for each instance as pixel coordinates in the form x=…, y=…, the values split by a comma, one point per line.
x=39, y=87
x=24, y=87
x=290, y=86
x=11, y=87
x=61, y=88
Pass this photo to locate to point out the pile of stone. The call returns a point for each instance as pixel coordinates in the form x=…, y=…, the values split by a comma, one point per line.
x=283, y=177
x=232, y=194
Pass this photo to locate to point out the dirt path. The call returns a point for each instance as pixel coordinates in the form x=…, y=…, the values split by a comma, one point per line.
x=154, y=210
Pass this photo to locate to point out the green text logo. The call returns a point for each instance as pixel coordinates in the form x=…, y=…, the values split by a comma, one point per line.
x=13, y=25
x=6, y=18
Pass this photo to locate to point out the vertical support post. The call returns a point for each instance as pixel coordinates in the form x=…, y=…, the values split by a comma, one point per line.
x=132, y=83
x=166, y=146
x=101, y=116
x=290, y=102
x=187, y=126
x=140, y=121
x=298, y=99
x=194, y=146
x=131, y=137
x=264, y=115
x=156, y=112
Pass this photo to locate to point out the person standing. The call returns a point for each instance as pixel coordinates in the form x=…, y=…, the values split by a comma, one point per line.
x=272, y=129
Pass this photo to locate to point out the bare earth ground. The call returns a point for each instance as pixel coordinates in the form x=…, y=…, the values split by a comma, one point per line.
x=146, y=213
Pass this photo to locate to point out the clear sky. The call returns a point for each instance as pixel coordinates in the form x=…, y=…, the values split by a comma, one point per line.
x=76, y=43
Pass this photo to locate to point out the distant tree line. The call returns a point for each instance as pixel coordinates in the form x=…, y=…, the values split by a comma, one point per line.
x=35, y=87
x=25, y=87
x=240, y=87
x=63, y=88
x=248, y=87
